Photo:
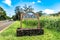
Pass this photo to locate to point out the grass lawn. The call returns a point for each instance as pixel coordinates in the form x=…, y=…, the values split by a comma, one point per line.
x=10, y=34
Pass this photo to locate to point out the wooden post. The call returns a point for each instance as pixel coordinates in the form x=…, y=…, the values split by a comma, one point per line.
x=38, y=21
x=21, y=20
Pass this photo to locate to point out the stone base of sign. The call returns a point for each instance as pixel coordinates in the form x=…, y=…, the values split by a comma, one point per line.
x=29, y=32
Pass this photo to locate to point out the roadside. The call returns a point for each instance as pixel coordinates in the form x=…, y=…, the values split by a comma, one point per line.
x=4, y=25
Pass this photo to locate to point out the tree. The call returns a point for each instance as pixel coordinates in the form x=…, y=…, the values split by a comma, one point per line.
x=59, y=13
x=2, y=14
x=18, y=11
x=28, y=8
x=40, y=13
x=14, y=17
x=56, y=14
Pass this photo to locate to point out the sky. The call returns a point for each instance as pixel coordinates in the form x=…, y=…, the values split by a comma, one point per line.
x=47, y=6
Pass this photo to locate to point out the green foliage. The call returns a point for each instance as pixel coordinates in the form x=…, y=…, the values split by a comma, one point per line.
x=47, y=22
x=30, y=22
x=14, y=17
x=55, y=14
x=51, y=23
x=40, y=13
x=2, y=14
x=19, y=10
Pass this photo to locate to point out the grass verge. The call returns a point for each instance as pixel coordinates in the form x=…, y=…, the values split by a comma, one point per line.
x=10, y=34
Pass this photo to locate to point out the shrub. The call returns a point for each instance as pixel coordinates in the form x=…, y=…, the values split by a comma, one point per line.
x=47, y=22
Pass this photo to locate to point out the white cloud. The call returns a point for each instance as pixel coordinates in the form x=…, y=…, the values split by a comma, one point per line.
x=33, y=2
x=48, y=11
x=8, y=2
x=39, y=1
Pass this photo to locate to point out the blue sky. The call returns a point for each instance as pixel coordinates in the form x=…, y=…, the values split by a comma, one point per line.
x=47, y=6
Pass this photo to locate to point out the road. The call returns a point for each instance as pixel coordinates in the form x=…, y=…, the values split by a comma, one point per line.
x=4, y=24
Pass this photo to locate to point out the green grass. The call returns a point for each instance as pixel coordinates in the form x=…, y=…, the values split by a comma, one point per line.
x=10, y=34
